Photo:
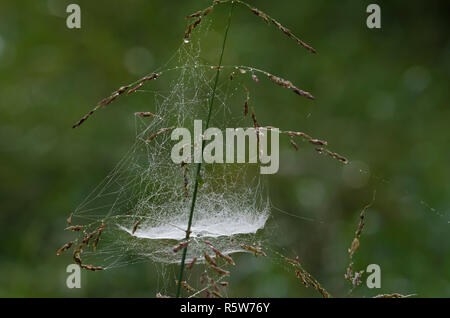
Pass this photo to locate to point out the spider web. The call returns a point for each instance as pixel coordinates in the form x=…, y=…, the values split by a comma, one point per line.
x=147, y=188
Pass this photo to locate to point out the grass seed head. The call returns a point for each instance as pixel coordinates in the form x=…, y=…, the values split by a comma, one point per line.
x=64, y=248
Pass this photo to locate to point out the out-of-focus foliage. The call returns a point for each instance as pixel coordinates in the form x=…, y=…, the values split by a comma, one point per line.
x=381, y=100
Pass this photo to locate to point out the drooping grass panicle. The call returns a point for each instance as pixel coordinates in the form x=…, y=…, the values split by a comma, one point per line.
x=282, y=28
x=302, y=274
x=108, y=100
x=355, y=277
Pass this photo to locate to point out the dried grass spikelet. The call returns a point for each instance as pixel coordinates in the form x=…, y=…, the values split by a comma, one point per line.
x=199, y=15
x=135, y=89
x=300, y=276
x=306, y=278
x=76, y=255
x=191, y=263
x=256, y=124
x=180, y=246
x=227, y=258
x=203, y=278
x=282, y=28
x=188, y=287
x=318, y=142
x=217, y=294
x=142, y=81
x=74, y=228
x=395, y=295
x=219, y=270
x=159, y=132
x=91, y=267
x=355, y=244
x=260, y=14
x=135, y=226
x=349, y=272
x=256, y=250
x=291, y=35
x=355, y=278
x=99, y=233
x=108, y=100
x=85, y=242
x=293, y=144
x=146, y=114
x=159, y=295
x=185, y=179
x=298, y=134
x=64, y=248
x=333, y=155
x=288, y=84
x=195, y=14
x=356, y=281
x=247, y=94
x=87, y=238
x=209, y=259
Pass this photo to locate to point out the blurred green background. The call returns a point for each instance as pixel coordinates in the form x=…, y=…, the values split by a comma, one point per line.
x=382, y=100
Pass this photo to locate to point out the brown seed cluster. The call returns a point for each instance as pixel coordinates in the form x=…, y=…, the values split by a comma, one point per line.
x=135, y=227
x=146, y=114
x=256, y=250
x=355, y=277
x=64, y=248
x=142, y=81
x=395, y=295
x=212, y=262
x=180, y=246
x=99, y=233
x=355, y=244
x=74, y=228
x=209, y=259
x=219, y=270
x=213, y=288
x=188, y=287
x=260, y=14
x=282, y=28
x=306, y=278
x=293, y=144
x=333, y=155
x=159, y=132
x=85, y=243
x=288, y=84
x=227, y=258
x=198, y=15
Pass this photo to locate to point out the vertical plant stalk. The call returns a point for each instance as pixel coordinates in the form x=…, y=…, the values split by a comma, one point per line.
x=199, y=165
